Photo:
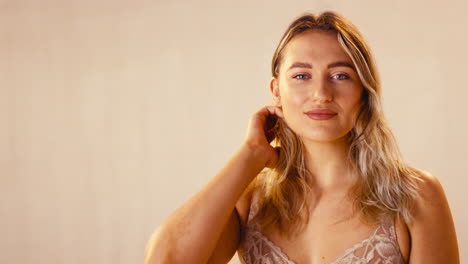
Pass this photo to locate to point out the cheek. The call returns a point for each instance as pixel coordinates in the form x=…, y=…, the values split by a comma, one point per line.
x=354, y=108
x=352, y=95
x=294, y=96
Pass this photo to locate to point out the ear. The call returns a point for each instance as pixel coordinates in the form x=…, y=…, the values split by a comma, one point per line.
x=275, y=92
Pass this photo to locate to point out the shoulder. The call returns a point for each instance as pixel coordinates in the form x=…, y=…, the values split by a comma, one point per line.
x=431, y=196
x=430, y=192
x=244, y=202
x=432, y=231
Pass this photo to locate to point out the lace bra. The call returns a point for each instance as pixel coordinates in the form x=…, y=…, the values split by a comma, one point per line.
x=380, y=248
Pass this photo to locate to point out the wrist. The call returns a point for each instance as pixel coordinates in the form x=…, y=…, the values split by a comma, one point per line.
x=256, y=153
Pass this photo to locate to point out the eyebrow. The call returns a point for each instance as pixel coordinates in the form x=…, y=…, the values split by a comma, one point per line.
x=331, y=65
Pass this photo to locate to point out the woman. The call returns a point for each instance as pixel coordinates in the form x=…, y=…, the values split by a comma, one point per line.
x=336, y=189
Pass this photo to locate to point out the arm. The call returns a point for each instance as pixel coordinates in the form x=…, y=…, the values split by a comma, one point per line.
x=433, y=237
x=229, y=241
x=192, y=231
x=209, y=222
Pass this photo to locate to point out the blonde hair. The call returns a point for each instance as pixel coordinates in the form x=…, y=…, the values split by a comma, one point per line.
x=385, y=186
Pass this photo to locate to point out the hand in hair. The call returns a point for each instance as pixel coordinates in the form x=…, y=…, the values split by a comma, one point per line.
x=260, y=133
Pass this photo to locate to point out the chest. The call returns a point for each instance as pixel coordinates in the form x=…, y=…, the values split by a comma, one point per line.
x=334, y=234
x=321, y=242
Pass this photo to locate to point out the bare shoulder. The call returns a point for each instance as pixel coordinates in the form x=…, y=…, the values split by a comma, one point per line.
x=431, y=193
x=432, y=231
x=243, y=203
x=229, y=240
x=431, y=197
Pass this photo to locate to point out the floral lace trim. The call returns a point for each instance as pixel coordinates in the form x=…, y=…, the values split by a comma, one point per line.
x=380, y=248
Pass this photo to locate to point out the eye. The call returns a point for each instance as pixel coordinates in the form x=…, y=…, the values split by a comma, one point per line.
x=301, y=76
x=340, y=76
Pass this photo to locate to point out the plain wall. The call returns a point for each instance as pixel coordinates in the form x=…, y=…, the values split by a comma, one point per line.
x=114, y=113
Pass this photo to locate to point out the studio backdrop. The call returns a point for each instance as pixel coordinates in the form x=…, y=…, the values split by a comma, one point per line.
x=114, y=113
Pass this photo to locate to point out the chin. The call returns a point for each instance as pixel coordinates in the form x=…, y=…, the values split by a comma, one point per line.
x=327, y=132
x=323, y=136
x=321, y=139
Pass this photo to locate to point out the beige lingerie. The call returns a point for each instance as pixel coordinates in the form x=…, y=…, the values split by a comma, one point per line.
x=380, y=248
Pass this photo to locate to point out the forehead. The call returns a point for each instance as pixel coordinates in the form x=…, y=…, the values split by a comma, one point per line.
x=315, y=47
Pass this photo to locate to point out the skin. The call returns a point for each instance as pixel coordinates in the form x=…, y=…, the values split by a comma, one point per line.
x=207, y=228
x=323, y=77
x=317, y=72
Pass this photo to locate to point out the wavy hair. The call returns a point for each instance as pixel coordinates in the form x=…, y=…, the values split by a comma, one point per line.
x=386, y=185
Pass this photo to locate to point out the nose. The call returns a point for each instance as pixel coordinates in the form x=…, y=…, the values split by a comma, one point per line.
x=322, y=92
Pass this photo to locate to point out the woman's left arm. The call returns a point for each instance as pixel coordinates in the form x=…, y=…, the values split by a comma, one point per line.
x=432, y=231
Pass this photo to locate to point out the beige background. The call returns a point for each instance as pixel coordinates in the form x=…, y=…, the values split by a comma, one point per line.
x=113, y=113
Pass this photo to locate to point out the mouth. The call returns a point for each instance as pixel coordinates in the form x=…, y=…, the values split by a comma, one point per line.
x=320, y=116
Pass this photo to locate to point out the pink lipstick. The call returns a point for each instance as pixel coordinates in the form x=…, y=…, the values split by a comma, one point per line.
x=321, y=114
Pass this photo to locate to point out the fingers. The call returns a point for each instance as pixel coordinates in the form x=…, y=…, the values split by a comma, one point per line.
x=272, y=110
x=266, y=117
x=275, y=110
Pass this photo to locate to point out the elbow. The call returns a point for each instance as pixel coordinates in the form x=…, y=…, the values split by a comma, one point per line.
x=157, y=251
x=166, y=255
x=154, y=255
x=165, y=248
x=154, y=259
x=159, y=257
x=161, y=251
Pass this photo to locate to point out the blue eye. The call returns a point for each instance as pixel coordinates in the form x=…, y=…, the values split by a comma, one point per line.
x=301, y=76
x=340, y=76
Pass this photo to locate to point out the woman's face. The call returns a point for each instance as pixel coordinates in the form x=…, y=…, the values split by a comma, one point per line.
x=317, y=73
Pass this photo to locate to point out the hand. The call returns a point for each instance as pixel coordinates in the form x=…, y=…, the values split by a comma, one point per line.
x=260, y=133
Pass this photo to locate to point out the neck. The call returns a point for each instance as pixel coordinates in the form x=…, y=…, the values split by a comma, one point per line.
x=329, y=165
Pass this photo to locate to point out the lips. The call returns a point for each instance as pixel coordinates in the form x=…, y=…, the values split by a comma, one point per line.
x=321, y=114
x=321, y=111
